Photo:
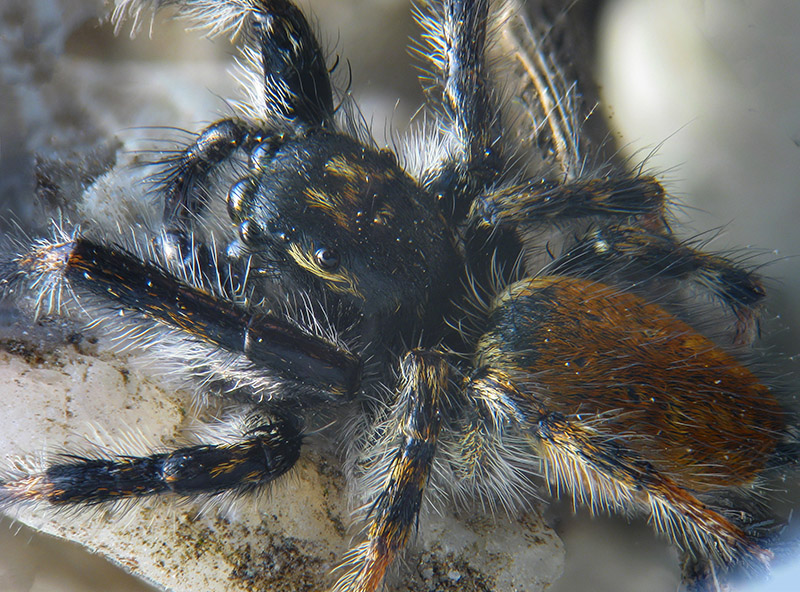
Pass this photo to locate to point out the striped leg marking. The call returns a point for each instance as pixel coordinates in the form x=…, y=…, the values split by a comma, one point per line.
x=422, y=397
x=266, y=448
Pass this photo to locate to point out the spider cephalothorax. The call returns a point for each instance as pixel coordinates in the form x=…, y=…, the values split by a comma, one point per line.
x=346, y=220
x=471, y=316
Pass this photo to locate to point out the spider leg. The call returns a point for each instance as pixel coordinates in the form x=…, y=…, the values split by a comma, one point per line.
x=423, y=393
x=296, y=76
x=601, y=462
x=113, y=279
x=280, y=54
x=639, y=252
x=265, y=447
x=639, y=255
x=599, y=471
x=699, y=426
x=455, y=47
x=540, y=201
x=490, y=461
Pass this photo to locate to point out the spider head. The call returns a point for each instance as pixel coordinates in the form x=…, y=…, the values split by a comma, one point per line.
x=343, y=222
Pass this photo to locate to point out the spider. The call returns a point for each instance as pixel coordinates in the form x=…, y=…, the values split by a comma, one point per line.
x=499, y=308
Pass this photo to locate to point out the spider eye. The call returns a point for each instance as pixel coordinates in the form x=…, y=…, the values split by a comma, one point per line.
x=327, y=258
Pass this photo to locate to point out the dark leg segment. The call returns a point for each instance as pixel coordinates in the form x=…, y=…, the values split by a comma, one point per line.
x=126, y=282
x=541, y=201
x=280, y=51
x=295, y=74
x=266, y=450
x=424, y=394
x=639, y=255
x=457, y=44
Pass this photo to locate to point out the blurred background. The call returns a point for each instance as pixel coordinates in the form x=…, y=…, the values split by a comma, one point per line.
x=707, y=90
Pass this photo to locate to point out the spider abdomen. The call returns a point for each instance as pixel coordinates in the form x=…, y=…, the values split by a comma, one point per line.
x=629, y=407
x=699, y=413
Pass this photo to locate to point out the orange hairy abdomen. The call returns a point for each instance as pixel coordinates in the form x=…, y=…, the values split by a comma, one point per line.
x=631, y=370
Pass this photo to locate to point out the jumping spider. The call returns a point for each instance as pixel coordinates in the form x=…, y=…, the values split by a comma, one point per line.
x=466, y=311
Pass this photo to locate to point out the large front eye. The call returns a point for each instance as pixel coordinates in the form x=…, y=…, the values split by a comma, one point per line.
x=327, y=258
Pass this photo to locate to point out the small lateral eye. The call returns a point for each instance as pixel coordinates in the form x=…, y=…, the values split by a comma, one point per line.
x=327, y=258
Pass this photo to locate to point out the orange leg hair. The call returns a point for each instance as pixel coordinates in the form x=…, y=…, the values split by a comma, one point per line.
x=424, y=392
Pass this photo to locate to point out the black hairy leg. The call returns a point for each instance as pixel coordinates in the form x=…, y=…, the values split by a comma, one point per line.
x=546, y=202
x=290, y=80
x=638, y=255
x=265, y=448
x=296, y=79
x=125, y=281
x=455, y=48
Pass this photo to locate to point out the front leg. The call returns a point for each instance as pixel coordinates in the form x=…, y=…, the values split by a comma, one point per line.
x=423, y=395
x=284, y=69
x=224, y=342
